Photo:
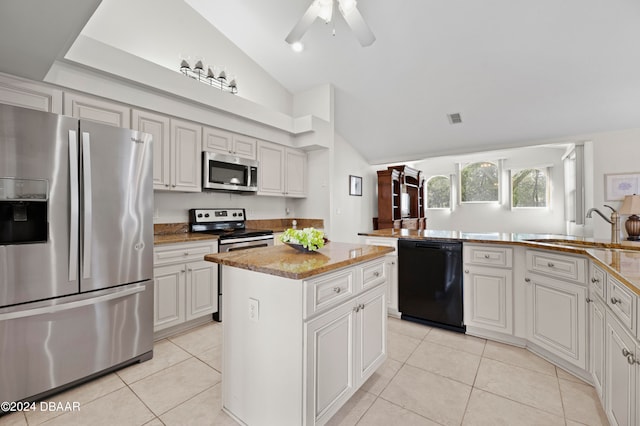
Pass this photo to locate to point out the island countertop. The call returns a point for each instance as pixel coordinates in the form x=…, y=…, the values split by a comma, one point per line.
x=287, y=262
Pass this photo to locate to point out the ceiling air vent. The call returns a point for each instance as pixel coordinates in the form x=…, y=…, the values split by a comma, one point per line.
x=455, y=118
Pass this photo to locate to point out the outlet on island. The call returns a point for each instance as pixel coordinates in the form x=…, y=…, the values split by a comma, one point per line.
x=254, y=309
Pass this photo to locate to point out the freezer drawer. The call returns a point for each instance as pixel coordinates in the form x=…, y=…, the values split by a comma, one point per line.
x=46, y=347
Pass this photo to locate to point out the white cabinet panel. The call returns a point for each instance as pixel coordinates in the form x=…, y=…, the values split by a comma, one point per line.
x=295, y=173
x=186, y=287
x=330, y=358
x=201, y=296
x=186, y=166
x=557, y=318
x=92, y=109
x=371, y=341
x=597, y=321
x=282, y=170
x=31, y=95
x=488, y=294
x=169, y=286
x=157, y=126
x=228, y=143
x=621, y=375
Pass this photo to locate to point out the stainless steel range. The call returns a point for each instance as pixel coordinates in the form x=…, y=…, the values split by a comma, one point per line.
x=230, y=226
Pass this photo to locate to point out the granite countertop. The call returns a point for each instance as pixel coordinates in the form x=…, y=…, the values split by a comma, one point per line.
x=287, y=262
x=622, y=260
x=185, y=237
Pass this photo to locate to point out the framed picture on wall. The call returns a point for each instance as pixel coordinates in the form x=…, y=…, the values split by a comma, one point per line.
x=355, y=185
x=616, y=186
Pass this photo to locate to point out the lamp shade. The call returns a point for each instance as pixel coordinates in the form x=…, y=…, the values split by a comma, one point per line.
x=630, y=205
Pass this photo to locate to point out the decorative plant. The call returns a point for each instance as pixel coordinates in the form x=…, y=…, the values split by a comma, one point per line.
x=309, y=238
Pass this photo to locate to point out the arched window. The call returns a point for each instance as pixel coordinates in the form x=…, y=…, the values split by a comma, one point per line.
x=529, y=188
x=438, y=192
x=479, y=182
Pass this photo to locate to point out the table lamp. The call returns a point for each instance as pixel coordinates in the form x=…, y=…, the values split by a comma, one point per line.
x=631, y=206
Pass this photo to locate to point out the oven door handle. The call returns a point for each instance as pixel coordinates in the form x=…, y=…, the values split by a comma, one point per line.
x=246, y=239
x=244, y=245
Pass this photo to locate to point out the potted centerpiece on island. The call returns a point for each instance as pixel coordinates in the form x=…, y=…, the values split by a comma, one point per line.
x=304, y=240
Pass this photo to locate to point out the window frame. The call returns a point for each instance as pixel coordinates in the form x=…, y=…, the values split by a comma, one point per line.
x=497, y=164
x=547, y=173
x=448, y=178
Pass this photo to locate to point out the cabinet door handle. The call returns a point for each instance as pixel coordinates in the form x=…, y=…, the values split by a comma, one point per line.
x=595, y=280
x=550, y=264
x=466, y=271
x=527, y=280
x=182, y=271
x=337, y=289
x=589, y=300
x=356, y=308
x=614, y=301
x=393, y=263
x=186, y=253
x=625, y=352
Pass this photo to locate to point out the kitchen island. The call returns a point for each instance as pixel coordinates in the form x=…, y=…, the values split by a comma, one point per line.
x=302, y=331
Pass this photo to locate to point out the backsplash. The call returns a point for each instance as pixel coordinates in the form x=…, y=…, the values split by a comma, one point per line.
x=276, y=225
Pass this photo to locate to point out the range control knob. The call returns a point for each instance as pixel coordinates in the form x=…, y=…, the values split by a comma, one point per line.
x=206, y=215
x=199, y=214
x=235, y=214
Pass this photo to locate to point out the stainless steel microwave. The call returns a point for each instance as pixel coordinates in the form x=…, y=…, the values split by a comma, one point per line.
x=227, y=173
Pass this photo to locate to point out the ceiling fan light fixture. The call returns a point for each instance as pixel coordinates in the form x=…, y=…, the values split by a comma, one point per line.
x=346, y=6
x=325, y=10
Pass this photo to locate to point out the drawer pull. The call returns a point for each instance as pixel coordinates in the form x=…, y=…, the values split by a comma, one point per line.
x=466, y=271
x=376, y=274
x=186, y=253
x=550, y=264
x=337, y=289
x=615, y=300
x=486, y=256
x=589, y=300
x=595, y=280
x=527, y=280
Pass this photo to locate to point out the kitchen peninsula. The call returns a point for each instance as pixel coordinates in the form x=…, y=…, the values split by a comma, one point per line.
x=302, y=331
x=571, y=300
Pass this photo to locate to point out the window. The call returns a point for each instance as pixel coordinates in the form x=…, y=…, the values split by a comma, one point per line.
x=438, y=192
x=479, y=183
x=529, y=188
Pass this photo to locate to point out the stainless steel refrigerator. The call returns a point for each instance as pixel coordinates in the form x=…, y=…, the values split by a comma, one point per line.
x=76, y=251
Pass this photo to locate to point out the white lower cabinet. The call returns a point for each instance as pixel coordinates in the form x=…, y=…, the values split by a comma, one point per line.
x=344, y=347
x=597, y=326
x=488, y=289
x=296, y=350
x=557, y=318
x=391, y=261
x=622, y=357
x=185, y=287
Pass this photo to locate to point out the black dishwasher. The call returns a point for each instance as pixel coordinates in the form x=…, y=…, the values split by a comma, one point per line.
x=430, y=282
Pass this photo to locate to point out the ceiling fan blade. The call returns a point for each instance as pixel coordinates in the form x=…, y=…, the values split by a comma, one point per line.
x=359, y=27
x=303, y=24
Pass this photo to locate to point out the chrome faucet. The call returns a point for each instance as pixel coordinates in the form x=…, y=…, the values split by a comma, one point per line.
x=614, y=221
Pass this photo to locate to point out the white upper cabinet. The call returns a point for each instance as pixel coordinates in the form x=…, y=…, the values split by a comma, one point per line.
x=282, y=170
x=92, y=109
x=223, y=142
x=26, y=94
x=186, y=152
x=157, y=126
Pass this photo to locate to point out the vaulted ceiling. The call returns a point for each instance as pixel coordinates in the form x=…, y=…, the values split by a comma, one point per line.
x=518, y=72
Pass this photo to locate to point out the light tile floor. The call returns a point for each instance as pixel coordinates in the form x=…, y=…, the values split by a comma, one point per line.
x=431, y=377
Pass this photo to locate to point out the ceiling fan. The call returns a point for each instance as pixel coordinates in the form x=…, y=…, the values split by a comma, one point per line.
x=324, y=9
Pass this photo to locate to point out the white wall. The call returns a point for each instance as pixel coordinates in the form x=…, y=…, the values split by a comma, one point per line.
x=493, y=217
x=613, y=152
x=351, y=214
x=161, y=34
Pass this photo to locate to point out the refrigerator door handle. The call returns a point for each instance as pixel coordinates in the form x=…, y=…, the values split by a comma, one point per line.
x=86, y=206
x=72, y=305
x=74, y=205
